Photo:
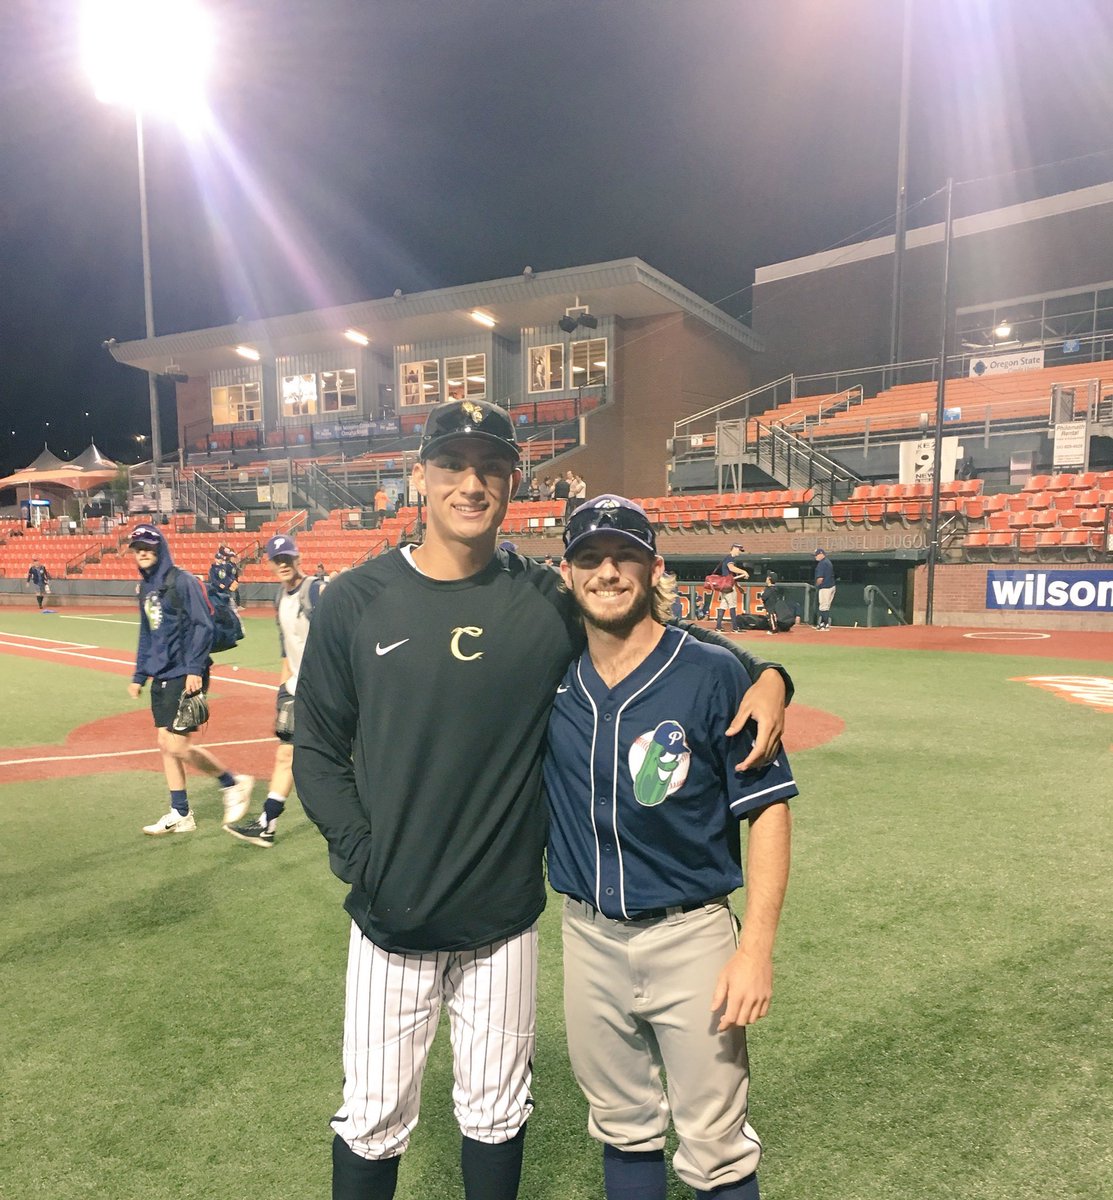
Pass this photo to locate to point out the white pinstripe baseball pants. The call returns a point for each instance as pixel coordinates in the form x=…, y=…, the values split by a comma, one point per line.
x=391, y=1011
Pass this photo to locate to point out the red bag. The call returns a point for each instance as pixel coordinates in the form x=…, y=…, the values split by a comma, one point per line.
x=720, y=583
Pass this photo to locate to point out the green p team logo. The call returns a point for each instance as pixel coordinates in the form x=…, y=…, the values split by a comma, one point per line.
x=659, y=763
x=152, y=606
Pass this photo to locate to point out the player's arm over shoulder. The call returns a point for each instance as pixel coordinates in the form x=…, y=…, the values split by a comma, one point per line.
x=752, y=664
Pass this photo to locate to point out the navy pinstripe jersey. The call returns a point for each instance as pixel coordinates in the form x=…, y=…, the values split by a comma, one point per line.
x=644, y=803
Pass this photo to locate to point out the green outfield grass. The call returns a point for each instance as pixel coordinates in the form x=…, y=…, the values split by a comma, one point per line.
x=172, y=1007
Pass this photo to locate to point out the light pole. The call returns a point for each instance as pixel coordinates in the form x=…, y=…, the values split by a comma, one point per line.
x=151, y=58
x=148, y=303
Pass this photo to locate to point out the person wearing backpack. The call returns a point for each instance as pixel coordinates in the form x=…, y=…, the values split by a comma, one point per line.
x=293, y=608
x=175, y=639
x=224, y=577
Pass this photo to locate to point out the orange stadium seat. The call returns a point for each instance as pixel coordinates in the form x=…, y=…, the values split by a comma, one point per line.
x=977, y=541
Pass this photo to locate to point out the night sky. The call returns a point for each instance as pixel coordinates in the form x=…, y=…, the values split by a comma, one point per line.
x=368, y=145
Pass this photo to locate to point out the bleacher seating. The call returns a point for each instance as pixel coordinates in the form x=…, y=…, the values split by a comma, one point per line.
x=1052, y=516
x=1008, y=396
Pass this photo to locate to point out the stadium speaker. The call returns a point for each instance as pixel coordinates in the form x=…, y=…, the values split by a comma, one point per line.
x=588, y=321
x=568, y=324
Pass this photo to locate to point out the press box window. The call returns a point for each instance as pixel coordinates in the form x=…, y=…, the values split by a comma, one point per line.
x=421, y=382
x=546, y=368
x=589, y=363
x=465, y=377
x=299, y=395
x=338, y=390
x=236, y=404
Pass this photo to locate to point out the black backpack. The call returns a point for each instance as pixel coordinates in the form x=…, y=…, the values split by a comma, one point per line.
x=227, y=628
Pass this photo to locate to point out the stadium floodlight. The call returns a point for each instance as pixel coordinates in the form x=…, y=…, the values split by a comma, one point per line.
x=357, y=336
x=147, y=56
x=152, y=58
x=1003, y=330
x=483, y=318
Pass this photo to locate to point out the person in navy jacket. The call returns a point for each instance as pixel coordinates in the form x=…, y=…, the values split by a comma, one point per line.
x=175, y=636
x=39, y=577
x=645, y=802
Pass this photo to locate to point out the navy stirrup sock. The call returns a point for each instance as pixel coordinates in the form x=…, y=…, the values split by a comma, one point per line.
x=634, y=1174
x=744, y=1189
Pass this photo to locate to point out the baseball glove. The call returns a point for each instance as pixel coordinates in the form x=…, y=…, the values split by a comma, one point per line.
x=193, y=712
x=284, y=716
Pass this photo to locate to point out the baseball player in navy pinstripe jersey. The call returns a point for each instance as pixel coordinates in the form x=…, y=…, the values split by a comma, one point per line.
x=645, y=803
x=433, y=811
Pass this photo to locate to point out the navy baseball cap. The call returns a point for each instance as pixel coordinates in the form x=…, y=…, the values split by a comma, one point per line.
x=819, y=550
x=472, y=419
x=609, y=514
x=146, y=535
x=281, y=545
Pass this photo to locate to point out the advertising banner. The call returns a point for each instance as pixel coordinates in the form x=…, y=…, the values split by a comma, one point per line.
x=997, y=364
x=917, y=460
x=1070, y=445
x=1049, y=590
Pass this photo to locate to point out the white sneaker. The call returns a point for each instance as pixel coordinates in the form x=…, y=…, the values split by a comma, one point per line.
x=237, y=798
x=173, y=822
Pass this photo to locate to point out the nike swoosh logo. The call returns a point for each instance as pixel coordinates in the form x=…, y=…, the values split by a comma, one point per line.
x=561, y=689
x=387, y=649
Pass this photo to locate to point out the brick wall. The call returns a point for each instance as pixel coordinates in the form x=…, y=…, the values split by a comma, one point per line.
x=960, y=599
x=665, y=368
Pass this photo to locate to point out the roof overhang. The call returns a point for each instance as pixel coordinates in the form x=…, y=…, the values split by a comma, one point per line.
x=997, y=218
x=626, y=288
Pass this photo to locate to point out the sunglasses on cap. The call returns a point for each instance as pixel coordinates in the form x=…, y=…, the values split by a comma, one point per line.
x=626, y=521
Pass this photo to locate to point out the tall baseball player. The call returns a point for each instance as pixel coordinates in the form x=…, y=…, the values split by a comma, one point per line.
x=645, y=803
x=432, y=809
x=293, y=609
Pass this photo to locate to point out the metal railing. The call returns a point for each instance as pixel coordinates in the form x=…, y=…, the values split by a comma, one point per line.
x=797, y=463
x=878, y=604
x=321, y=487
x=195, y=493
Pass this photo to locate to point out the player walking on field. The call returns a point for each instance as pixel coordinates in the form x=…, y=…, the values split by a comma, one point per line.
x=39, y=578
x=645, y=803
x=293, y=610
x=432, y=809
x=175, y=635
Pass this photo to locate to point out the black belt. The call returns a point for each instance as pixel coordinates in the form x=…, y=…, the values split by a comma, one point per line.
x=652, y=914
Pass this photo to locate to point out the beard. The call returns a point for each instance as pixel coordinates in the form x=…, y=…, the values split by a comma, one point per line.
x=641, y=606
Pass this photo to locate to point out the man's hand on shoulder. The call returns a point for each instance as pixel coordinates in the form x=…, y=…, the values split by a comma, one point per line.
x=764, y=704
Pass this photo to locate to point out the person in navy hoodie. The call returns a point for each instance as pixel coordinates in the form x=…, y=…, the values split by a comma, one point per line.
x=175, y=635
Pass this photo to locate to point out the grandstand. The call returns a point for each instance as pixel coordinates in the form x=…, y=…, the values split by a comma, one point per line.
x=649, y=391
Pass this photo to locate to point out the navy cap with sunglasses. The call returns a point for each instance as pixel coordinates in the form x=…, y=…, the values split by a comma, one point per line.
x=609, y=514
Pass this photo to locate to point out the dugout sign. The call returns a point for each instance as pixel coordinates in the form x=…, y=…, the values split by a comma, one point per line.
x=1049, y=591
